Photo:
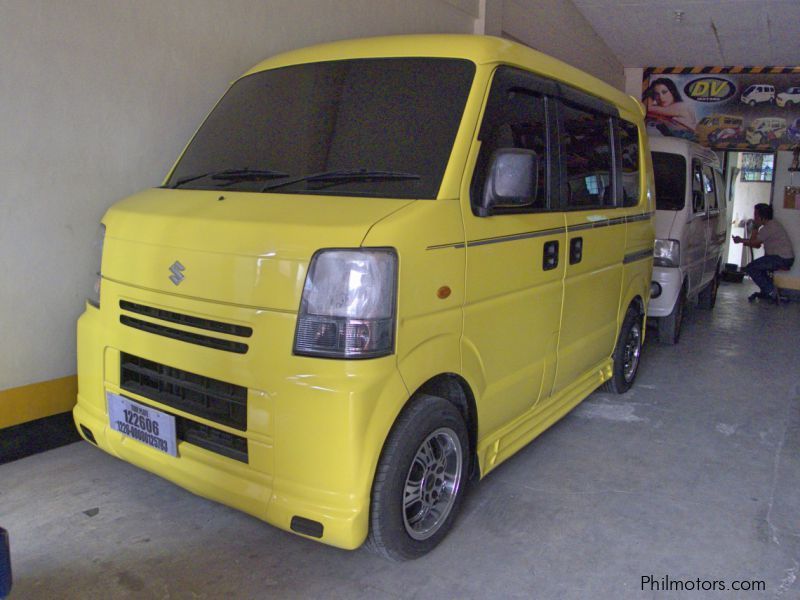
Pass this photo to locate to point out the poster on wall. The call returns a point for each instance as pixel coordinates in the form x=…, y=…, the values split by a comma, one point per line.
x=725, y=108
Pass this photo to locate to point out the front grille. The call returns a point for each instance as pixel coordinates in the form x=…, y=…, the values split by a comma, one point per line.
x=184, y=336
x=211, y=399
x=197, y=322
x=214, y=440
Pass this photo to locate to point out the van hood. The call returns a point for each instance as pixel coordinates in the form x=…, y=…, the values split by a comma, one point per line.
x=237, y=248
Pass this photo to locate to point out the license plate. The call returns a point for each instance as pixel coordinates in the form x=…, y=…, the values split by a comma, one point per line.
x=142, y=423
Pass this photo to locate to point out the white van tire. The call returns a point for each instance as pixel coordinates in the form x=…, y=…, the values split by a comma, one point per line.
x=669, y=327
x=708, y=295
x=626, y=354
x=427, y=451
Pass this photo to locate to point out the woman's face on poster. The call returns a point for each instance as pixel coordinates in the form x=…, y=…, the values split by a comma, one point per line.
x=662, y=96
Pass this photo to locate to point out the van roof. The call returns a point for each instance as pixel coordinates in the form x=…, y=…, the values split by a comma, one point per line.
x=674, y=145
x=480, y=49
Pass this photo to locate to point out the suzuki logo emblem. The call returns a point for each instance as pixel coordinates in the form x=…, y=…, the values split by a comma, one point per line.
x=177, y=270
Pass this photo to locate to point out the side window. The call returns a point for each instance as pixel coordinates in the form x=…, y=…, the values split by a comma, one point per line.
x=710, y=188
x=698, y=188
x=588, y=156
x=514, y=118
x=629, y=148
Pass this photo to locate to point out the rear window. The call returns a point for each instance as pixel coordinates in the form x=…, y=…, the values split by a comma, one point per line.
x=670, y=180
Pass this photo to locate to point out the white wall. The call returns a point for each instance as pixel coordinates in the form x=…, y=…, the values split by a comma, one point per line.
x=97, y=99
x=789, y=218
x=557, y=28
x=633, y=82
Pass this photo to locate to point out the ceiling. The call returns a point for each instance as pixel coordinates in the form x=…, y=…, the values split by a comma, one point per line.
x=651, y=33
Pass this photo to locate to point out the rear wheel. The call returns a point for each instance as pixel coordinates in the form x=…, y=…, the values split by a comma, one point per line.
x=669, y=327
x=708, y=296
x=626, y=354
x=420, y=480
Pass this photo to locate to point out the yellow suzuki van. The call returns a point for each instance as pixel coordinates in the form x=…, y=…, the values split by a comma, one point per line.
x=379, y=269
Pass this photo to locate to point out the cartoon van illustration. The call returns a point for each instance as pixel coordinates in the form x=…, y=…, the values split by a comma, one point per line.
x=756, y=94
x=715, y=129
x=791, y=97
x=765, y=130
x=793, y=133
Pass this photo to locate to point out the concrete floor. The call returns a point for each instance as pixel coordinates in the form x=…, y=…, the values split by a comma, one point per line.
x=692, y=475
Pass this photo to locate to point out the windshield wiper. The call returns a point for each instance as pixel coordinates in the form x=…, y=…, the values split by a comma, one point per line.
x=233, y=175
x=344, y=176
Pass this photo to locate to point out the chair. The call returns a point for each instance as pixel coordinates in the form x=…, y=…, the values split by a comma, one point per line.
x=778, y=298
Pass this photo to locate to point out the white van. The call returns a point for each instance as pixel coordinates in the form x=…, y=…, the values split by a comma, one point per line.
x=691, y=231
x=756, y=94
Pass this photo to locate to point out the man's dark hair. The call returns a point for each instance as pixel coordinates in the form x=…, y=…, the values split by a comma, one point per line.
x=764, y=211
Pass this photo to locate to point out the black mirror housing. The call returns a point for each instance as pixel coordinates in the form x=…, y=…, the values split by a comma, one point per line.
x=511, y=182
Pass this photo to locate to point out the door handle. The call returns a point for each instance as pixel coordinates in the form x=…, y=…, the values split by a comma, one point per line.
x=550, y=256
x=575, y=250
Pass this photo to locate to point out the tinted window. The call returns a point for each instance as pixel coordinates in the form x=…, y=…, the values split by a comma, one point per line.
x=698, y=188
x=709, y=185
x=629, y=144
x=587, y=144
x=515, y=118
x=398, y=116
x=670, y=180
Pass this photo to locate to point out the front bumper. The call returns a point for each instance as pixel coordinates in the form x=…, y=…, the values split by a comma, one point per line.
x=670, y=279
x=315, y=428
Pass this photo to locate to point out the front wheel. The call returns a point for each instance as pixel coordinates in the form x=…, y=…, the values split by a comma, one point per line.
x=669, y=327
x=626, y=354
x=420, y=480
x=708, y=296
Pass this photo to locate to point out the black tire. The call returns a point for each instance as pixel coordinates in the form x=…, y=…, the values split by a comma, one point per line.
x=669, y=327
x=626, y=354
x=708, y=295
x=420, y=479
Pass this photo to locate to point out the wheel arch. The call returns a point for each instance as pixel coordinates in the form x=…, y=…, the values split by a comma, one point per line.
x=455, y=389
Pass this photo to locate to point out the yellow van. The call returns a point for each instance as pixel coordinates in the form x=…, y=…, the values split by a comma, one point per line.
x=379, y=269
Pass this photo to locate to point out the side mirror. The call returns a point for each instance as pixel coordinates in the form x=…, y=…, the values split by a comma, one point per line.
x=512, y=180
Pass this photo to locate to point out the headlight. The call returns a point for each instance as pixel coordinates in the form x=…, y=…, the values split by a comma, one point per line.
x=94, y=295
x=348, y=305
x=667, y=253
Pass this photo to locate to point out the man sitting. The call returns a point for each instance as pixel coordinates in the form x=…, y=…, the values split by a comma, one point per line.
x=778, y=252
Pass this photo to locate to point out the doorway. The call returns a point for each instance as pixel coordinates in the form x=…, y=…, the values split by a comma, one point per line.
x=749, y=178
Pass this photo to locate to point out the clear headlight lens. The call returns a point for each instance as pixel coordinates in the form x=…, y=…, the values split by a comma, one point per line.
x=667, y=253
x=94, y=295
x=348, y=305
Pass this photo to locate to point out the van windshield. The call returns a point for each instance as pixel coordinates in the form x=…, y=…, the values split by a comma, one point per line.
x=371, y=127
x=670, y=180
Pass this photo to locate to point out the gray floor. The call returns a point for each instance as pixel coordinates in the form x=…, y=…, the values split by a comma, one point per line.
x=691, y=475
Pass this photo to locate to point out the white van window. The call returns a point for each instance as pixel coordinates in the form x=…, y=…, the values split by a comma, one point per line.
x=710, y=188
x=372, y=127
x=698, y=188
x=587, y=147
x=629, y=148
x=670, y=180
